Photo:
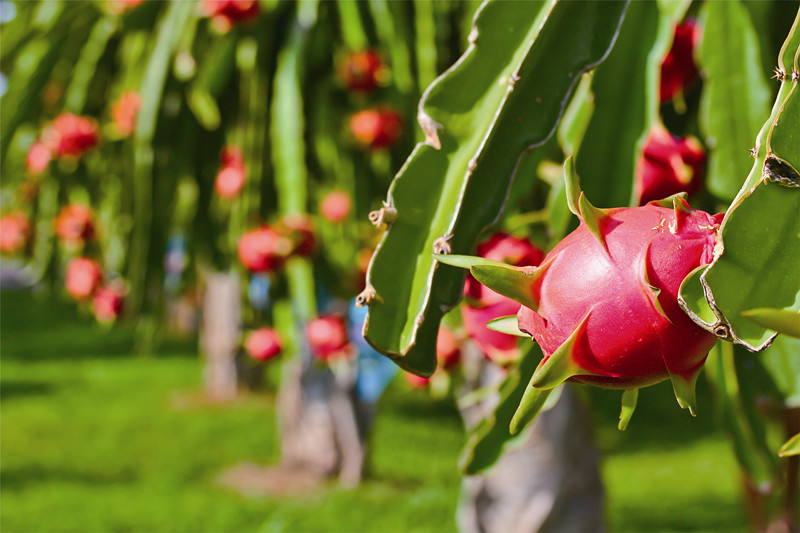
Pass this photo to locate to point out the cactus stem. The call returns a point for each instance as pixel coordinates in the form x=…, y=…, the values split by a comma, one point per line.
x=560, y=366
x=629, y=399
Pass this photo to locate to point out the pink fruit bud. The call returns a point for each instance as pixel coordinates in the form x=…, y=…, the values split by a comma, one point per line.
x=335, y=206
x=416, y=382
x=299, y=229
x=233, y=173
x=83, y=277
x=669, y=165
x=74, y=224
x=14, y=232
x=362, y=71
x=327, y=337
x=376, y=128
x=108, y=302
x=38, y=158
x=482, y=304
x=678, y=70
x=226, y=13
x=123, y=112
x=229, y=182
x=448, y=351
x=263, y=344
x=263, y=249
x=71, y=135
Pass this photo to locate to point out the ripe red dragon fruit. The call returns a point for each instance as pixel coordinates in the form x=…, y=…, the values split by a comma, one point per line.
x=263, y=249
x=362, y=71
x=83, y=277
x=14, y=232
x=482, y=304
x=335, y=206
x=327, y=337
x=603, y=303
x=678, y=70
x=232, y=175
x=74, y=224
x=263, y=344
x=299, y=229
x=669, y=165
x=124, y=111
x=376, y=128
x=448, y=350
x=38, y=158
x=71, y=135
x=225, y=13
x=108, y=302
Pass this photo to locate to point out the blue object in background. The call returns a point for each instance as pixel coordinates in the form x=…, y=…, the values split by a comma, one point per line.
x=258, y=291
x=174, y=262
x=375, y=371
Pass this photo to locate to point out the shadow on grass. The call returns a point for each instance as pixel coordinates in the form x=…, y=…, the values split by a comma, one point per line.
x=19, y=478
x=35, y=328
x=13, y=389
x=708, y=514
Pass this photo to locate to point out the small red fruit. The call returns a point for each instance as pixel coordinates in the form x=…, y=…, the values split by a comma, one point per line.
x=231, y=177
x=377, y=128
x=482, y=304
x=448, y=351
x=71, y=135
x=669, y=165
x=335, y=206
x=38, y=158
x=415, y=381
x=108, y=302
x=124, y=111
x=14, y=232
x=678, y=70
x=362, y=71
x=327, y=337
x=263, y=249
x=74, y=224
x=83, y=277
x=225, y=13
x=263, y=344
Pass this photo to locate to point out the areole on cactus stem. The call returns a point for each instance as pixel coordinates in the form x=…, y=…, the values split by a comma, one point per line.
x=602, y=304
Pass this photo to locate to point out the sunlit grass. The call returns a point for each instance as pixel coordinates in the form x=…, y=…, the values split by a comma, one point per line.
x=94, y=439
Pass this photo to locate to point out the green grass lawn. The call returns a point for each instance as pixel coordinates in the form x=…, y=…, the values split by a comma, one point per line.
x=94, y=439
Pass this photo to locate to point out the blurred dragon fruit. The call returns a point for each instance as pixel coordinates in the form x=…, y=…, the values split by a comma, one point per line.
x=482, y=304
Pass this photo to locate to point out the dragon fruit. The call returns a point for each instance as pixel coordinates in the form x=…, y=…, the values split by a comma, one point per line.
x=603, y=303
x=669, y=165
x=263, y=344
x=482, y=304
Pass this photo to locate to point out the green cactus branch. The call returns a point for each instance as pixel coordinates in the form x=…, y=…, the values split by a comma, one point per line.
x=756, y=265
x=479, y=118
